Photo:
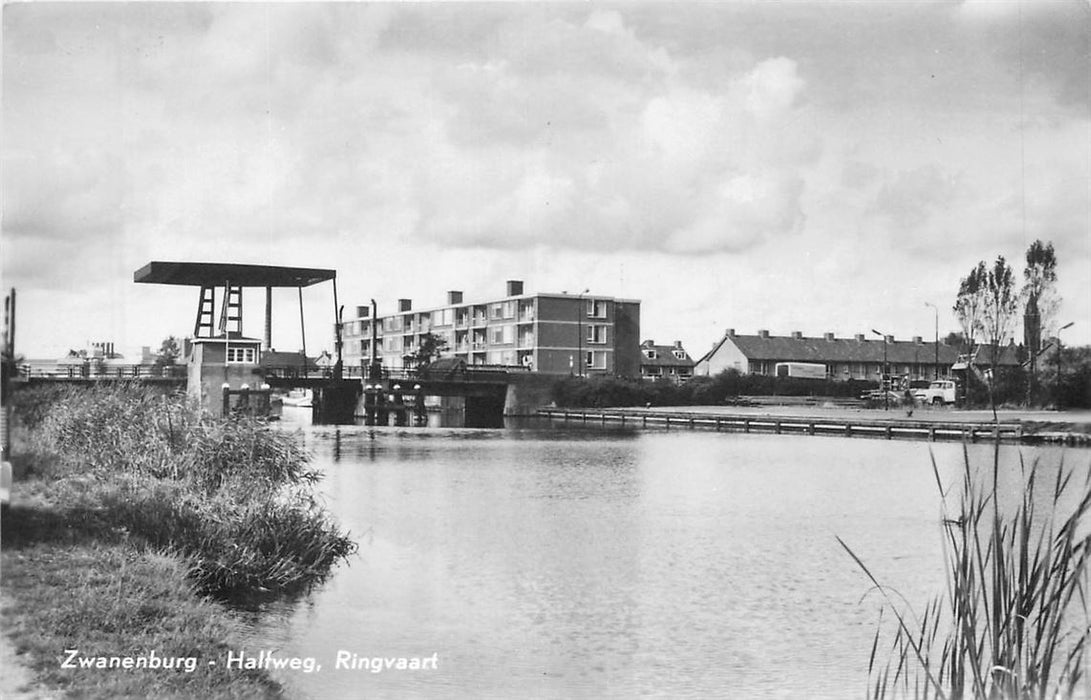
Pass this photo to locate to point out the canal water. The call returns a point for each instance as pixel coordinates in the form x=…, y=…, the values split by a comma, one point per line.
x=568, y=563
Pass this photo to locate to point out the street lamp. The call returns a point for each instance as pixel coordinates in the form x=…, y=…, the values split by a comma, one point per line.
x=935, y=373
x=882, y=377
x=579, y=329
x=1059, y=360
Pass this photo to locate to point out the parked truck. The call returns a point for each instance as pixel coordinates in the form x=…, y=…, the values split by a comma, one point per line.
x=940, y=392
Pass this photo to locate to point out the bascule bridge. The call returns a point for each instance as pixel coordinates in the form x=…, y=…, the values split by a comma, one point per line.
x=224, y=365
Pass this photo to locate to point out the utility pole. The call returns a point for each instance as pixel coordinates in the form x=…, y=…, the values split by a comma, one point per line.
x=882, y=377
x=1060, y=359
x=935, y=374
x=579, y=329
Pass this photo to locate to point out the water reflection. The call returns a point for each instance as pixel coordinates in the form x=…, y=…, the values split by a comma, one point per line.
x=590, y=564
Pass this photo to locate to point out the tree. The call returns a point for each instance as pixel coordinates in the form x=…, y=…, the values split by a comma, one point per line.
x=970, y=304
x=1041, y=303
x=430, y=348
x=169, y=352
x=1000, y=304
x=998, y=313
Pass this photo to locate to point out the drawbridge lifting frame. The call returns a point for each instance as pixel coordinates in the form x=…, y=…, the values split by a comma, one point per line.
x=232, y=278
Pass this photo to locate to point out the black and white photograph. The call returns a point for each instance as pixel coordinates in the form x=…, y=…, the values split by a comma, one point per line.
x=546, y=349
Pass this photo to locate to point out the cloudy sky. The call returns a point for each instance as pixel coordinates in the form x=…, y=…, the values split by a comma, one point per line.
x=814, y=167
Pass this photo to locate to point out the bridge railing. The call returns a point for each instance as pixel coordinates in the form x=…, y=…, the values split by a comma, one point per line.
x=97, y=371
x=179, y=372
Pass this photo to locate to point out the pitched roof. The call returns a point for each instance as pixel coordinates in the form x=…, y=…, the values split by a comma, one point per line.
x=790, y=349
x=664, y=356
x=275, y=358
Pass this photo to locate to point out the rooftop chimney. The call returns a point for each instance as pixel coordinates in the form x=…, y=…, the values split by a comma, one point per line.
x=648, y=343
x=888, y=338
x=763, y=333
x=363, y=311
x=860, y=337
x=730, y=333
x=798, y=335
x=917, y=339
x=454, y=297
x=515, y=288
x=405, y=304
x=829, y=336
x=678, y=344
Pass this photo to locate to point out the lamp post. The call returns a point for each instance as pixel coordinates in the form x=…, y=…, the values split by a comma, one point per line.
x=882, y=376
x=935, y=370
x=1059, y=360
x=579, y=329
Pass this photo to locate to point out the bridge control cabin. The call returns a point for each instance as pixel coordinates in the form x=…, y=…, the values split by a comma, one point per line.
x=230, y=361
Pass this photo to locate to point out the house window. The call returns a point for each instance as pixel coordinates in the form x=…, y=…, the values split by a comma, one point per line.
x=596, y=308
x=596, y=359
x=679, y=354
x=240, y=355
x=496, y=311
x=650, y=354
x=596, y=334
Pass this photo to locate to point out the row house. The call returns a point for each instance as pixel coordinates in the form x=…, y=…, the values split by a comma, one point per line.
x=554, y=333
x=859, y=357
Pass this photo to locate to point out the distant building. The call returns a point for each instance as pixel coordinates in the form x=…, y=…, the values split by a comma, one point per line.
x=577, y=334
x=860, y=357
x=669, y=362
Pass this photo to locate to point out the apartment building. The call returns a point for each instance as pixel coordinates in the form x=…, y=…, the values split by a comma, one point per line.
x=555, y=333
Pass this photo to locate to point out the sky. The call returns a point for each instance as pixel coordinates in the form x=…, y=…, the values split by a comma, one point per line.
x=815, y=167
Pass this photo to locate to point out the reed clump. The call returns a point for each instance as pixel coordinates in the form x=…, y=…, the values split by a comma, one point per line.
x=233, y=497
x=1014, y=622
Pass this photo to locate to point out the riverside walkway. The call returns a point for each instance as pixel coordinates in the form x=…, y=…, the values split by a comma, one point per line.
x=1017, y=426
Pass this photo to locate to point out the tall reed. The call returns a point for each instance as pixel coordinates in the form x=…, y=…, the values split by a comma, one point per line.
x=1014, y=620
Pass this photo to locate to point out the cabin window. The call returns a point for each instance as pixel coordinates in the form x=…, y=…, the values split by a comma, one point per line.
x=240, y=355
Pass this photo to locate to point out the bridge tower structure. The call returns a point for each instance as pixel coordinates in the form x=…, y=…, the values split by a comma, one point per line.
x=223, y=363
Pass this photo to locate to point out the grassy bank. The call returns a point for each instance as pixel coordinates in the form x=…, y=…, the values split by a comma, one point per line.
x=133, y=514
x=1014, y=622
x=113, y=600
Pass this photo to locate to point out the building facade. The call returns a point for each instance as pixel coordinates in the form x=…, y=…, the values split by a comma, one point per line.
x=860, y=357
x=665, y=362
x=577, y=334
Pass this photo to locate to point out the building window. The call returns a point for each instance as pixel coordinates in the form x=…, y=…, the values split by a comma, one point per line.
x=501, y=335
x=679, y=354
x=240, y=355
x=596, y=334
x=595, y=360
x=596, y=308
x=650, y=354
